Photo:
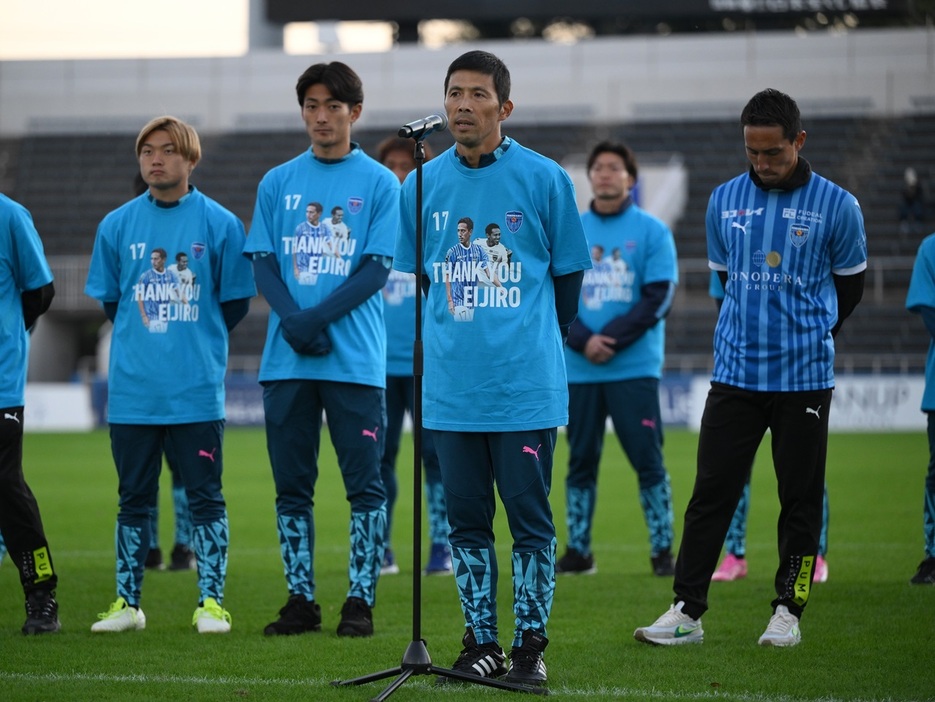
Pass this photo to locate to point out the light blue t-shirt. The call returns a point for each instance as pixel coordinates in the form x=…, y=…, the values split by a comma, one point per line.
x=399, y=313
x=922, y=294
x=494, y=362
x=22, y=267
x=628, y=251
x=779, y=250
x=369, y=194
x=168, y=353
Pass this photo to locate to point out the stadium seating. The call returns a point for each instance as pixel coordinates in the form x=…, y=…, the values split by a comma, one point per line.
x=70, y=181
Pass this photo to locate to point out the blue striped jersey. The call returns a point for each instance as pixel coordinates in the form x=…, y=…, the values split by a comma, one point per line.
x=779, y=249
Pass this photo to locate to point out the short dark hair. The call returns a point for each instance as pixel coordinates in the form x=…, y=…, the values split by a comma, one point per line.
x=486, y=63
x=468, y=221
x=490, y=227
x=340, y=79
x=772, y=108
x=619, y=148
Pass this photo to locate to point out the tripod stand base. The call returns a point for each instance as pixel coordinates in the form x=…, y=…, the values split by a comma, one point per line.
x=416, y=661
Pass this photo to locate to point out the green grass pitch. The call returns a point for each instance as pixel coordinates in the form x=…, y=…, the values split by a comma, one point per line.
x=867, y=634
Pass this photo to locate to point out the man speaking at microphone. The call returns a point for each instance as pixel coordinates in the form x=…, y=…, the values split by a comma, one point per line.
x=421, y=128
x=495, y=388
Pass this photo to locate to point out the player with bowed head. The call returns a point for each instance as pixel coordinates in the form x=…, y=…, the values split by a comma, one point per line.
x=791, y=251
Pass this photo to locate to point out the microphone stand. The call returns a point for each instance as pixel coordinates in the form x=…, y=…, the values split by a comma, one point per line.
x=416, y=659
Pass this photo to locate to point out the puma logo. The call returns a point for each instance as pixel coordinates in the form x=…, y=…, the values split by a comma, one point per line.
x=648, y=423
x=371, y=434
x=738, y=225
x=809, y=410
x=534, y=452
x=7, y=415
x=204, y=454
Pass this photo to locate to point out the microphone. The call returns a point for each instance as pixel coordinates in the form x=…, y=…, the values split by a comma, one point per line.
x=421, y=128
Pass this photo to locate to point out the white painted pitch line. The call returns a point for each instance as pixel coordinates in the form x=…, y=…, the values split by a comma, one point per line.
x=616, y=692
x=162, y=679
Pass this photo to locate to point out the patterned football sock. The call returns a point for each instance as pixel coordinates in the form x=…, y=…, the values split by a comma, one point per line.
x=211, y=542
x=183, y=517
x=656, y=502
x=476, y=573
x=154, y=527
x=533, y=590
x=297, y=545
x=736, y=541
x=580, y=513
x=437, y=513
x=133, y=544
x=368, y=536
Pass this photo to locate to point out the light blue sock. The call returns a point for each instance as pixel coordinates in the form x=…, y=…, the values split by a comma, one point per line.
x=475, y=572
x=132, y=544
x=533, y=590
x=368, y=535
x=656, y=502
x=297, y=546
x=211, y=542
x=579, y=514
x=183, y=517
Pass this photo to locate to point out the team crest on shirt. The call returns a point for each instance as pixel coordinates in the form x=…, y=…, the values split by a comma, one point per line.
x=198, y=250
x=798, y=234
x=355, y=205
x=514, y=220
